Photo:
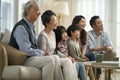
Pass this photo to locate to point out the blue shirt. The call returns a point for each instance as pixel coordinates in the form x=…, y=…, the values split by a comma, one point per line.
x=22, y=39
x=92, y=37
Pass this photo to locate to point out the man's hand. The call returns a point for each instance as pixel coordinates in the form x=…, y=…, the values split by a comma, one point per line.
x=107, y=48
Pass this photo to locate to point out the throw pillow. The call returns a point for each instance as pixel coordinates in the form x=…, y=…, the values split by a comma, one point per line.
x=15, y=57
x=6, y=36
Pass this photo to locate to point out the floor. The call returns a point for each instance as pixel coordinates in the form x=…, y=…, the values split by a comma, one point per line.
x=115, y=75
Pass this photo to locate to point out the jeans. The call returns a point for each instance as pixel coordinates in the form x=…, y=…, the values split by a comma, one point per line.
x=81, y=70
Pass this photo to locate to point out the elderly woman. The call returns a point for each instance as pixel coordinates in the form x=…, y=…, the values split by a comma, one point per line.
x=47, y=41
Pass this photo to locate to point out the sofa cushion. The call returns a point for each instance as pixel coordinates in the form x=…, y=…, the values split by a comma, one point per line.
x=15, y=57
x=6, y=36
x=21, y=73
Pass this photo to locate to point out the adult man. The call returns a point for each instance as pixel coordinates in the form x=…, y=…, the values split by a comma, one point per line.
x=99, y=41
x=23, y=38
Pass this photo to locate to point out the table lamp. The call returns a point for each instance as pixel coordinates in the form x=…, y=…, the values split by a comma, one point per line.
x=61, y=8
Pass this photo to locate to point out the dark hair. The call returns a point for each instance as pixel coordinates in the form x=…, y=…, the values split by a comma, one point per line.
x=72, y=28
x=46, y=17
x=92, y=20
x=83, y=37
x=77, y=19
x=83, y=34
x=58, y=33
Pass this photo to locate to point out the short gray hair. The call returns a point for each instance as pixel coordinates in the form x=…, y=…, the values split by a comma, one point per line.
x=28, y=5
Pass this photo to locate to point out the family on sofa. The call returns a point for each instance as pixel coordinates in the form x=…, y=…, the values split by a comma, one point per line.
x=53, y=55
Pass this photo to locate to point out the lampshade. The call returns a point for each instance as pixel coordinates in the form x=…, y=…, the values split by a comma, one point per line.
x=61, y=7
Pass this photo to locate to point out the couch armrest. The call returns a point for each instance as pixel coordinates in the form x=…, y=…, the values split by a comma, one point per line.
x=3, y=59
x=15, y=57
x=21, y=73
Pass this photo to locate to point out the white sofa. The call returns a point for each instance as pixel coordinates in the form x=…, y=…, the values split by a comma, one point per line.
x=11, y=61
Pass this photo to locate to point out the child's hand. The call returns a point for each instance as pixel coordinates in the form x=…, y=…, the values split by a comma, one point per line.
x=46, y=52
x=72, y=59
x=84, y=57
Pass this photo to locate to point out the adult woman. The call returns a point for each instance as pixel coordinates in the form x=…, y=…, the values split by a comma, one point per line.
x=81, y=22
x=46, y=41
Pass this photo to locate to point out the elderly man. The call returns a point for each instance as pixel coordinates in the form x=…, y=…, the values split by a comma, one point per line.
x=23, y=38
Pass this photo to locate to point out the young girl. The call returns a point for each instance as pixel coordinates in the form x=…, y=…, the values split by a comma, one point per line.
x=61, y=38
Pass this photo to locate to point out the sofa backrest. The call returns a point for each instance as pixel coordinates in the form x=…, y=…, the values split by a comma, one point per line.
x=1, y=36
x=3, y=59
x=5, y=36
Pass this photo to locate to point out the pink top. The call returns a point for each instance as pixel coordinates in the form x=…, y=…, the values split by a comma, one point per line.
x=62, y=47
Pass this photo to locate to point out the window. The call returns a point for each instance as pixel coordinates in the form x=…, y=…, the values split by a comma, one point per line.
x=6, y=14
x=11, y=12
x=20, y=7
x=0, y=15
x=118, y=29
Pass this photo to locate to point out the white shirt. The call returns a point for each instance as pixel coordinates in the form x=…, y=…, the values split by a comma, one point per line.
x=46, y=42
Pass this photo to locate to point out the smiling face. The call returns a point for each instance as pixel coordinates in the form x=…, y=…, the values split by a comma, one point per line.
x=35, y=12
x=98, y=24
x=82, y=23
x=64, y=36
x=75, y=34
x=32, y=11
x=53, y=22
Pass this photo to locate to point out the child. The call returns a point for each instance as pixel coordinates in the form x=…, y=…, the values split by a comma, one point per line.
x=74, y=51
x=61, y=38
